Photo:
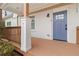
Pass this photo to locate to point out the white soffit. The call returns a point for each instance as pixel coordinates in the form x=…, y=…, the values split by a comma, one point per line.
x=38, y=6
x=18, y=7
x=13, y=7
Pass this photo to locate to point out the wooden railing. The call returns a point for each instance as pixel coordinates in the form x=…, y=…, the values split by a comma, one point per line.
x=77, y=34
x=12, y=34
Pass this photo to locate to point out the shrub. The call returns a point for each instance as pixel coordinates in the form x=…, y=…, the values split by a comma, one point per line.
x=6, y=48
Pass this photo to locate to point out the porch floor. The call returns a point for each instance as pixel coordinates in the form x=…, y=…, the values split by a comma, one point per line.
x=41, y=47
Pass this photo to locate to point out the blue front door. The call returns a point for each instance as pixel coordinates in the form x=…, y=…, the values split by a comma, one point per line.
x=60, y=25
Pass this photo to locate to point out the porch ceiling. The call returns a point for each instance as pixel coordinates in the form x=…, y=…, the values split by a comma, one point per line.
x=18, y=7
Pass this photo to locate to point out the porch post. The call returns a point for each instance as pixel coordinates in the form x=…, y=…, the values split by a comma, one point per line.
x=25, y=30
x=0, y=14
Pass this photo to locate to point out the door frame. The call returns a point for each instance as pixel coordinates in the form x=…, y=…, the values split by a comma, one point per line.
x=53, y=23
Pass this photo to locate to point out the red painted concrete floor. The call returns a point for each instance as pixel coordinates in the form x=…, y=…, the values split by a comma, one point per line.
x=42, y=47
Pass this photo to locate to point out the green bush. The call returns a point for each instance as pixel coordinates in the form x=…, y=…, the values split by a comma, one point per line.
x=6, y=48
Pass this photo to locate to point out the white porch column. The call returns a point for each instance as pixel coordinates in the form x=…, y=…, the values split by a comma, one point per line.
x=25, y=31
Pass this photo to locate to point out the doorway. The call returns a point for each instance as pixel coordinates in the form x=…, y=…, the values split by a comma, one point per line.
x=60, y=25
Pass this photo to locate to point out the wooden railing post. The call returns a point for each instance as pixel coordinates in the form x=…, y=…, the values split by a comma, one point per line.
x=0, y=14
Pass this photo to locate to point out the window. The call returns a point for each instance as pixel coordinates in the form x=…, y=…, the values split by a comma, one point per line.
x=8, y=23
x=32, y=22
x=60, y=17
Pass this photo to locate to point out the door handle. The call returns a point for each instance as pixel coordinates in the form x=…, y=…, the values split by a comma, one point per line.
x=65, y=28
x=66, y=25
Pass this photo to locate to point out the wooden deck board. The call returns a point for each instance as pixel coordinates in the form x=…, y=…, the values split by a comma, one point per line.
x=41, y=47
